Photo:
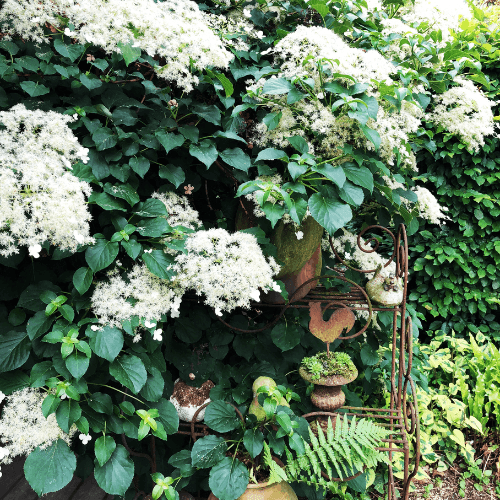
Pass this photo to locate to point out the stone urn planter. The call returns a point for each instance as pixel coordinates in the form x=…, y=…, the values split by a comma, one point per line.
x=386, y=290
x=301, y=258
x=327, y=394
x=187, y=399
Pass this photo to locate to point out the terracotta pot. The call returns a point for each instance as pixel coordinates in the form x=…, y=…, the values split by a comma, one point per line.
x=327, y=394
x=301, y=258
x=264, y=491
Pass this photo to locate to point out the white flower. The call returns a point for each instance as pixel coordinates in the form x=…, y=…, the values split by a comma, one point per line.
x=321, y=95
x=63, y=396
x=34, y=250
x=149, y=324
x=173, y=30
x=218, y=311
x=67, y=32
x=157, y=335
x=276, y=287
x=3, y=452
x=227, y=269
x=2, y=396
x=80, y=239
x=95, y=328
x=23, y=426
x=267, y=51
x=255, y=295
x=148, y=251
x=247, y=13
x=84, y=438
x=466, y=112
x=299, y=235
x=137, y=338
x=151, y=297
x=259, y=34
x=39, y=199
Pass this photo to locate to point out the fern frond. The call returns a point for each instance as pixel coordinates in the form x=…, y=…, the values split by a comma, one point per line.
x=276, y=473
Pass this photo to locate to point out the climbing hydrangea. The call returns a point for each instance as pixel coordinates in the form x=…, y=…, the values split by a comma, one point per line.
x=466, y=112
x=173, y=29
x=23, y=426
x=137, y=293
x=228, y=269
x=40, y=199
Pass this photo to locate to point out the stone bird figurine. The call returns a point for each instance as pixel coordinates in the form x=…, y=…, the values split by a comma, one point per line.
x=327, y=331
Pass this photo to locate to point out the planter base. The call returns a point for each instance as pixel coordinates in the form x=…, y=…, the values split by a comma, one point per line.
x=328, y=398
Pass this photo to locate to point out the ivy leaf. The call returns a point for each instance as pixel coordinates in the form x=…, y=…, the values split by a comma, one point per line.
x=351, y=194
x=158, y=263
x=209, y=113
x=91, y=82
x=273, y=212
x=206, y=152
x=236, y=158
x=372, y=135
x=67, y=413
x=272, y=120
x=168, y=415
x=369, y=355
x=82, y=279
x=329, y=212
x=107, y=202
x=286, y=336
x=151, y=208
x=221, y=417
x=129, y=371
x=102, y=254
x=361, y=176
x=153, y=388
x=153, y=227
x=132, y=247
x=104, y=448
x=38, y=325
x=270, y=154
x=15, y=348
x=14, y=381
x=129, y=53
x=116, y=475
x=77, y=364
x=34, y=89
x=124, y=191
x=208, y=451
x=139, y=165
x=50, y=469
x=169, y=140
x=253, y=439
x=298, y=143
x=72, y=51
x=228, y=479
x=335, y=174
x=101, y=403
x=104, y=138
x=276, y=86
x=175, y=175
x=107, y=342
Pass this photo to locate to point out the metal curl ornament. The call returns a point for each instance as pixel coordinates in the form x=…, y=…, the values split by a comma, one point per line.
x=371, y=249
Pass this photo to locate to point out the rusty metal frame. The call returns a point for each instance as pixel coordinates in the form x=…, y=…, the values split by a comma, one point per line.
x=402, y=414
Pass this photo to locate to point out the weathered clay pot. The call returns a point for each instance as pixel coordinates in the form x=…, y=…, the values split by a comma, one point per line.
x=327, y=394
x=301, y=258
x=265, y=491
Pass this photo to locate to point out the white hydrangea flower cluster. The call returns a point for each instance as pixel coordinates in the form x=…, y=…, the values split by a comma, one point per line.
x=331, y=50
x=140, y=293
x=180, y=212
x=429, y=207
x=23, y=426
x=228, y=269
x=464, y=111
x=444, y=15
x=396, y=26
x=40, y=199
x=299, y=54
x=394, y=129
x=173, y=29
